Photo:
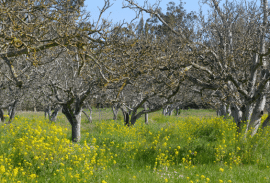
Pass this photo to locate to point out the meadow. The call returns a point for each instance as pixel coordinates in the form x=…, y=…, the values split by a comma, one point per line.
x=194, y=147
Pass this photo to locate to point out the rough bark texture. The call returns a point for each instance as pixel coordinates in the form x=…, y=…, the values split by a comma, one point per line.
x=76, y=128
x=74, y=118
x=2, y=118
x=237, y=116
x=257, y=115
x=247, y=112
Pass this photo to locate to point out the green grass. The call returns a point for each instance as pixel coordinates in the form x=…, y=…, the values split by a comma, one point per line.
x=193, y=147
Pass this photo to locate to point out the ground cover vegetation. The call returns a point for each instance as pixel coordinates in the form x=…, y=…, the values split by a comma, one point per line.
x=169, y=149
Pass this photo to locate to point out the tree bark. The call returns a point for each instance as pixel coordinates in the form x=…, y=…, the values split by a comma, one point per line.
x=247, y=112
x=126, y=117
x=135, y=116
x=12, y=111
x=169, y=110
x=9, y=110
x=221, y=111
x=178, y=111
x=74, y=118
x=115, y=109
x=172, y=107
x=35, y=108
x=89, y=118
x=146, y=114
x=133, y=119
x=224, y=110
x=126, y=114
x=2, y=118
x=55, y=113
x=257, y=116
x=237, y=116
x=47, y=111
x=260, y=105
x=165, y=109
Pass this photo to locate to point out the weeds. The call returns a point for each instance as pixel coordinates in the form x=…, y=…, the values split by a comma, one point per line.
x=170, y=149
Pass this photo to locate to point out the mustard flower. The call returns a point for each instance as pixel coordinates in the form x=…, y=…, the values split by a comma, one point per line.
x=2, y=169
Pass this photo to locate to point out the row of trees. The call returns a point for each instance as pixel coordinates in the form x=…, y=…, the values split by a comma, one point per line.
x=53, y=53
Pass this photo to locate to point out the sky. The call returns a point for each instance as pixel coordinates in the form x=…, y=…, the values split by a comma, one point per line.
x=117, y=14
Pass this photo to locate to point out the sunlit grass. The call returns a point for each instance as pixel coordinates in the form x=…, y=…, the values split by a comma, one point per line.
x=169, y=149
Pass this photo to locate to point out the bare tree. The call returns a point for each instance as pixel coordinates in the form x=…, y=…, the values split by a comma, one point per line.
x=146, y=78
x=228, y=56
x=64, y=48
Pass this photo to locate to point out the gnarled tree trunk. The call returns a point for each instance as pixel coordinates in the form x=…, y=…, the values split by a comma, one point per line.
x=74, y=118
x=2, y=118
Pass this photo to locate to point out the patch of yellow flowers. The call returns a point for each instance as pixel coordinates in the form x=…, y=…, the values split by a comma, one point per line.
x=36, y=150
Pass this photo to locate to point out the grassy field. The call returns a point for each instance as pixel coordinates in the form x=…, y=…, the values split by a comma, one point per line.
x=193, y=147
